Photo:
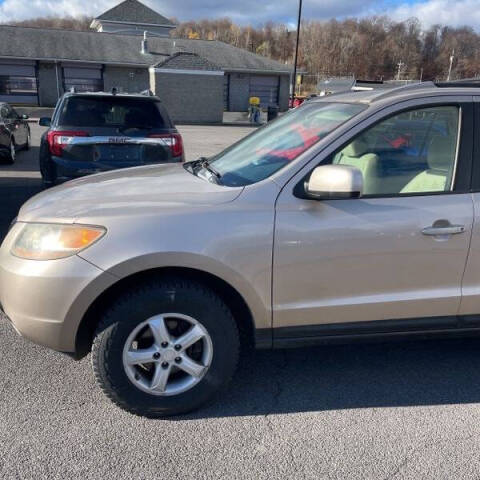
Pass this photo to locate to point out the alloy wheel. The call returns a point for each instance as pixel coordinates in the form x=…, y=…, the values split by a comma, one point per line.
x=167, y=354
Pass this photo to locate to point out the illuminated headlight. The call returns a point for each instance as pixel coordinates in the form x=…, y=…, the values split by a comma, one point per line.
x=50, y=241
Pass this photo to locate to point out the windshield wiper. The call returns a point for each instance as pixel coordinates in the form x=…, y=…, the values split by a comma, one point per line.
x=205, y=163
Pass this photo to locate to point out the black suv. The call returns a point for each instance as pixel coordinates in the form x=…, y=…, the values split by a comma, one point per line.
x=96, y=132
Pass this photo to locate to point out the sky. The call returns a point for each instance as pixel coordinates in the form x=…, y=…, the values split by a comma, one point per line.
x=447, y=12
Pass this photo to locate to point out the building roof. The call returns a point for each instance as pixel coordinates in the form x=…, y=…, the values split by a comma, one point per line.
x=110, y=48
x=133, y=11
x=187, y=61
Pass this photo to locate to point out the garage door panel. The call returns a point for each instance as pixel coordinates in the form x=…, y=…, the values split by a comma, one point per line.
x=266, y=88
x=83, y=79
x=18, y=83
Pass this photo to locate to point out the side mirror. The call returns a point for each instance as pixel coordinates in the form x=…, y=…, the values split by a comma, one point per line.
x=24, y=117
x=45, y=121
x=330, y=182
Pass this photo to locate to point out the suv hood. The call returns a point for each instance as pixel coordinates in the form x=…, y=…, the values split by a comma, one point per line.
x=135, y=191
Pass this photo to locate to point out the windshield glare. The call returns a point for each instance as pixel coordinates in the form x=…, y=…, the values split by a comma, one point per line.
x=270, y=148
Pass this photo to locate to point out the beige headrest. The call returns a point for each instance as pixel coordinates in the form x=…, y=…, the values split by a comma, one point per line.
x=441, y=153
x=357, y=148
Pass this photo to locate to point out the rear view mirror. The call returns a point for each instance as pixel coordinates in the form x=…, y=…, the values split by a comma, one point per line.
x=329, y=182
x=45, y=121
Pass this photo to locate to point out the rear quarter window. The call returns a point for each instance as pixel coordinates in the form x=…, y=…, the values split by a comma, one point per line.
x=119, y=112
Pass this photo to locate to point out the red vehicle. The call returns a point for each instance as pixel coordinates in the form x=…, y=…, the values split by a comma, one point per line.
x=297, y=101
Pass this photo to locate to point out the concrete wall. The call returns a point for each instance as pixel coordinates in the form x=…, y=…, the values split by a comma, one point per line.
x=48, y=75
x=127, y=79
x=190, y=98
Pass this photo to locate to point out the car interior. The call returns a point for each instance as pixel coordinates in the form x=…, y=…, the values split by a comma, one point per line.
x=414, y=152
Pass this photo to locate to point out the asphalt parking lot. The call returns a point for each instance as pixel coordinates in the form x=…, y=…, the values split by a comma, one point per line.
x=381, y=411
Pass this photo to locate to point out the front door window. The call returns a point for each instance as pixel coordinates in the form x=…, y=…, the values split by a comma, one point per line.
x=412, y=152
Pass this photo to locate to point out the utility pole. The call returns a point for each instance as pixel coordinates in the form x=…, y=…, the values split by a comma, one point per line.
x=400, y=65
x=294, y=79
x=452, y=56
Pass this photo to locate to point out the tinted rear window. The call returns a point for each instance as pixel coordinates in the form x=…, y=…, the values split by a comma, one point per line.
x=112, y=111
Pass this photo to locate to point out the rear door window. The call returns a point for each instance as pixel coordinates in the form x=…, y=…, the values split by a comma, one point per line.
x=114, y=112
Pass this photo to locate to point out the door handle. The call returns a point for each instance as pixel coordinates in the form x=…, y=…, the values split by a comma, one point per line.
x=446, y=230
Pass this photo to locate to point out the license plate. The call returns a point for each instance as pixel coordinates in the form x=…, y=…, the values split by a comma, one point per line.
x=118, y=153
x=121, y=140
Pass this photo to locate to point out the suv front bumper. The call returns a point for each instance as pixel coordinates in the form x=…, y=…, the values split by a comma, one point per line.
x=46, y=300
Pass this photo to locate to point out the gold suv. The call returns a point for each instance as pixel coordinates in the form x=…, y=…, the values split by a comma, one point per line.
x=353, y=216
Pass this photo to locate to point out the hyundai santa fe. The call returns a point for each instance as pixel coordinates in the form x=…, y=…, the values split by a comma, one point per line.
x=354, y=216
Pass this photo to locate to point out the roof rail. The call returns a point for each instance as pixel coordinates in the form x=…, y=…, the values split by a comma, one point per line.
x=465, y=83
x=405, y=88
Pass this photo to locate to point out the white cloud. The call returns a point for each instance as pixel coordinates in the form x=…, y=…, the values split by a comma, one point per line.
x=23, y=9
x=247, y=11
x=449, y=12
x=454, y=13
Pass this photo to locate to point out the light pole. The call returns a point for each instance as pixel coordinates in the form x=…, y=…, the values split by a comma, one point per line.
x=452, y=56
x=294, y=79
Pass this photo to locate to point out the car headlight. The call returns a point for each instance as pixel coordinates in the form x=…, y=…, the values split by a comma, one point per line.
x=50, y=241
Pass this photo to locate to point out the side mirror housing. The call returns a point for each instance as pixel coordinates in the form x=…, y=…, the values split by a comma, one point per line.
x=25, y=117
x=45, y=122
x=331, y=182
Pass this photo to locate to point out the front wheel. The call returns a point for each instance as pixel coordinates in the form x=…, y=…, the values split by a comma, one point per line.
x=165, y=348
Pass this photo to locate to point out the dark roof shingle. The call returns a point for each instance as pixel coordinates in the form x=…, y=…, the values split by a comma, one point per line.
x=133, y=11
x=68, y=45
x=187, y=61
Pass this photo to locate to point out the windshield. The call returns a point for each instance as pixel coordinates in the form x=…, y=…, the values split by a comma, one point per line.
x=270, y=148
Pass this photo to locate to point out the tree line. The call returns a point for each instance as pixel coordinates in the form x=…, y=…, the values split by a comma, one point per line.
x=374, y=48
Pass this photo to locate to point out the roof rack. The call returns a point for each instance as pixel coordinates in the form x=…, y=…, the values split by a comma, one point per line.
x=405, y=88
x=465, y=83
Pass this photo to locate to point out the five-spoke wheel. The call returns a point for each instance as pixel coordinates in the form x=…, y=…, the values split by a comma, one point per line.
x=154, y=363
x=160, y=363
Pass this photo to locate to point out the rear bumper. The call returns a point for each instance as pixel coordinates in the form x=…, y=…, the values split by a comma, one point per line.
x=75, y=169
x=46, y=300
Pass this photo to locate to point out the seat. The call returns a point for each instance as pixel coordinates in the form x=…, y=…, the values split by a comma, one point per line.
x=440, y=159
x=357, y=154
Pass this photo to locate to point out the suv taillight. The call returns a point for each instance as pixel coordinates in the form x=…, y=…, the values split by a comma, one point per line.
x=173, y=140
x=58, y=140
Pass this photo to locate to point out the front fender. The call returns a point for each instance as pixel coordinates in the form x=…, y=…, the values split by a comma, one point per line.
x=259, y=307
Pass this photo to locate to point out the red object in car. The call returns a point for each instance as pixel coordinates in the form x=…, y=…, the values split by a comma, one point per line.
x=58, y=140
x=308, y=136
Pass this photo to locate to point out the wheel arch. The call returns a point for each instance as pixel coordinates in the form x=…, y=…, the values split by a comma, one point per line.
x=235, y=301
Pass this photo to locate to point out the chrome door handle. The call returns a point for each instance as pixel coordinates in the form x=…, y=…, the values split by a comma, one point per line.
x=447, y=230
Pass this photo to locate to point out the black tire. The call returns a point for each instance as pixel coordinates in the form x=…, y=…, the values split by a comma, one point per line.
x=26, y=147
x=47, y=167
x=10, y=156
x=143, y=302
